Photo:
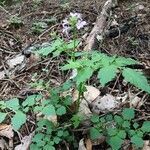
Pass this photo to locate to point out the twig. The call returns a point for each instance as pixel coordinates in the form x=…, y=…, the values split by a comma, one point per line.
x=142, y=118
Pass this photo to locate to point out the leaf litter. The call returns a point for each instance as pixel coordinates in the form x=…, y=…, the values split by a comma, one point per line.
x=93, y=96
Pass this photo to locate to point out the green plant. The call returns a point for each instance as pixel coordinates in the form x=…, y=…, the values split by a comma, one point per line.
x=57, y=47
x=40, y=84
x=46, y=130
x=48, y=134
x=107, y=68
x=117, y=128
x=15, y=21
x=38, y=27
x=133, y=41
x=51, y=20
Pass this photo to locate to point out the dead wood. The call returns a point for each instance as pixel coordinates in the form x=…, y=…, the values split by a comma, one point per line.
x=101, y=22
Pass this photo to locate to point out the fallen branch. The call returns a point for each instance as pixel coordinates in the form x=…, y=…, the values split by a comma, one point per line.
x=98, y=29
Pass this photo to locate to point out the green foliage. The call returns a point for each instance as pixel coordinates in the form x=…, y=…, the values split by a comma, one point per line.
x=128, y=114
x=18, y=120
x=94, y=133
x=136, y=78
x=76, y=119
x=15, y=21
x=116, y=128
x=48, y=134
x=57, y=47
x=38, y=27
x=106, y=74
x=146, y=126
x=107, y=67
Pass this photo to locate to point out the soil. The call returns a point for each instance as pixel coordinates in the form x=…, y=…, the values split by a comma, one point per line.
x=131, y=16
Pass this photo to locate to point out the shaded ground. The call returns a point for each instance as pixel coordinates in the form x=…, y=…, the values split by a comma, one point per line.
x=134, y=16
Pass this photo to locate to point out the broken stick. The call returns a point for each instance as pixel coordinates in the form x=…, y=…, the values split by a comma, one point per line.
x=98, y=29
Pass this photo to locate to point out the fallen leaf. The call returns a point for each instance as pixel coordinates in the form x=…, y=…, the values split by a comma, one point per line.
x=104, y=104
x=81, y=145
x=91, y=94
x=2, y=74
x=52, y=118
x=3, y=144
x=146, y=145
x=6, y=130
x=17, y=60
x=84, y=109
x=135, y=101
x=88, y=143
x=25, y=142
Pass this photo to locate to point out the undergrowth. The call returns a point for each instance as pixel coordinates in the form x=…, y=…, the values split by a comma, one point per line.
x=56, y=116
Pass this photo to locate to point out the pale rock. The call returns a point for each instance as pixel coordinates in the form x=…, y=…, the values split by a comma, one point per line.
x=104, y=104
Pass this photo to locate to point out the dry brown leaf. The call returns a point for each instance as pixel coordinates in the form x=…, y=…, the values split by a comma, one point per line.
x=88, y=143
x=17, y=60
x=2, y=74
x=25, y=142
x=135, y=101
x=84, y=109
x=91, y=94
x=6, y=130
x=52, y=118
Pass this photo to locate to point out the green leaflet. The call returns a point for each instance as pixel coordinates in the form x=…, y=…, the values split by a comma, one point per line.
x=47, y=50
x=137, y=141
x=106, y=74
x=115, y=142
x=128, y=113
x=146, y=126
x=122, y=61
x=13, y=104
x=61, y=110
x=49, y=110
x=136, y=78
x=18, y=120
x=71, y=65
x=84, y=74
x=95, y=133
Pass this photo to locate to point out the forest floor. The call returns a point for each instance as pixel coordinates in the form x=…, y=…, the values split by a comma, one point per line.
x=30, y=24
